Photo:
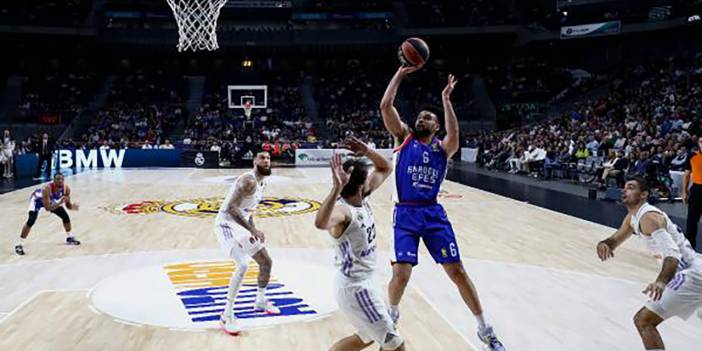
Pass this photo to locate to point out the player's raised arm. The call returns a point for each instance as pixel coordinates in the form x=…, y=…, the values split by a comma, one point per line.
x=605, y=248
x=451, y=141
x=382, y=167
x=330, y=217
x=391, y=118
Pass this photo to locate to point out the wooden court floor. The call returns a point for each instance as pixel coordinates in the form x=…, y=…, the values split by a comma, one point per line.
x=150, y=263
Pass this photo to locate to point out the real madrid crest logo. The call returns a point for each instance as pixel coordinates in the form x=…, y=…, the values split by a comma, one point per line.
x=199, y=159
x=208, y=207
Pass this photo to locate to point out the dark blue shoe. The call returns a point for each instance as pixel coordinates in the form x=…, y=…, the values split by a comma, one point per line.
x=72, y=241
x=19, y=249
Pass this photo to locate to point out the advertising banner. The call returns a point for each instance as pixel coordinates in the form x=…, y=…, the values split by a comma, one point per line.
x=117, y=158
x=591, y=30
x=322, y=157
x=199, y=159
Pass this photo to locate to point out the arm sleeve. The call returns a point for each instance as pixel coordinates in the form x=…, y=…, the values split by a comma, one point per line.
x=666, y=245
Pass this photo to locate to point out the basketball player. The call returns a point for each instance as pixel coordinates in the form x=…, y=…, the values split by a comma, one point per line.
x=677, y=291
x=420, y=168
x=346, y=214
x=241, y=240
x=51, y=197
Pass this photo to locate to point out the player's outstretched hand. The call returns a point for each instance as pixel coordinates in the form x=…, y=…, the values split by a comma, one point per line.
x=446, y=93
x=339, y=176
x=74, y=206
x=259, y=235
x=405, y=70
x=355, y=145
x=604, y=252
x=654, y=290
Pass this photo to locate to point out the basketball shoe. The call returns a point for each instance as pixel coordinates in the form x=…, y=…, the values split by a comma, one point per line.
x=229, y=324
x=262, y=304
x=489, y=339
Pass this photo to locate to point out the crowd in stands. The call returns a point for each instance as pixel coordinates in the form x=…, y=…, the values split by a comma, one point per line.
x=140, y=110
x=55, y=93
x=645, y=125
x=348, y=102
x=454, y=13
x=279, y=128
x=68, y=13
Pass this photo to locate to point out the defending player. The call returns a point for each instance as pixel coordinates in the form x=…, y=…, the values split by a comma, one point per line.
x=241, y=240
x=51, y=197
x=346, y=214
x=420, y=167
x=677, y=291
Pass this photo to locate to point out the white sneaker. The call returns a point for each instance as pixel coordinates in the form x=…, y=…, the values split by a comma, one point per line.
x=229, y=325
x=489, y=339
x=266, y=306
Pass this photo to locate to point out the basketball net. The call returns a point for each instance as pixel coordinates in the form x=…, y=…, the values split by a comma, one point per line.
x=197, y=23
x=247, y=109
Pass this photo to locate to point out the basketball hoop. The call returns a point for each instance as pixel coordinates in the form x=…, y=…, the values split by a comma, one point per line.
x=197, y=23
x=247, y=109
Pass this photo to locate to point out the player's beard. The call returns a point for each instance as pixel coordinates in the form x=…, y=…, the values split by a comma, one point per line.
x=263, y=170
x=422, y=132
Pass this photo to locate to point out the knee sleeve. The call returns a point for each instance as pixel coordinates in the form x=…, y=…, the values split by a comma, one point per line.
x=61, y=212
x=32, y=218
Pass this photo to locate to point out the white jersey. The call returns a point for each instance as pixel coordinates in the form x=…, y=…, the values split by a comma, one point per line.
x=355, y=248
x=248, y=203
x=688, y=255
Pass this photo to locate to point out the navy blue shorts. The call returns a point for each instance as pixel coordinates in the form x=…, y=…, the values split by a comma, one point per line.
x=428, y=222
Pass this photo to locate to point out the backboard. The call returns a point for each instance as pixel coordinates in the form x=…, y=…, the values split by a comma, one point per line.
x=237, y=95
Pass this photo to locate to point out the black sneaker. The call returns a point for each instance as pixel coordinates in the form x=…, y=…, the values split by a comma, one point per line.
x=72, y=241
x=19, y=249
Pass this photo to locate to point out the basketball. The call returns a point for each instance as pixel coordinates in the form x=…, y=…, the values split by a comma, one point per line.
x=413, y=52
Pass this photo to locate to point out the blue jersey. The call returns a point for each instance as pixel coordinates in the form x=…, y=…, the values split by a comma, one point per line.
x=419, y=171
x=55, y=195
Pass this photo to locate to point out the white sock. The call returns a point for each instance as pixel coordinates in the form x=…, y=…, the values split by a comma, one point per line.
x=261, y=294
x=21, y=241
x=394, y=308
x=68, y=235
x=481, y=321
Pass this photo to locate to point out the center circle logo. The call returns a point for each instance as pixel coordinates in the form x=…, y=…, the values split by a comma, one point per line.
x=192, y=294
x=208, y=207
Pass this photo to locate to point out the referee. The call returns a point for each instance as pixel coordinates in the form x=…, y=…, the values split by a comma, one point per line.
x=693, y=196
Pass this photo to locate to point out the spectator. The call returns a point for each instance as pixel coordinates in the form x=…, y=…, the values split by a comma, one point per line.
x=551, y=162
x=167, y=145
x=582, y=153
x=7, y=154
x=640, y=167
x=678, y=163
x=44, y=149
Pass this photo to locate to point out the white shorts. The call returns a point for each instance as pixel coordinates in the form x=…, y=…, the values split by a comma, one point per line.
x=236, y=242
x=7, y=154
x=681, y=297
x=362, y=304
